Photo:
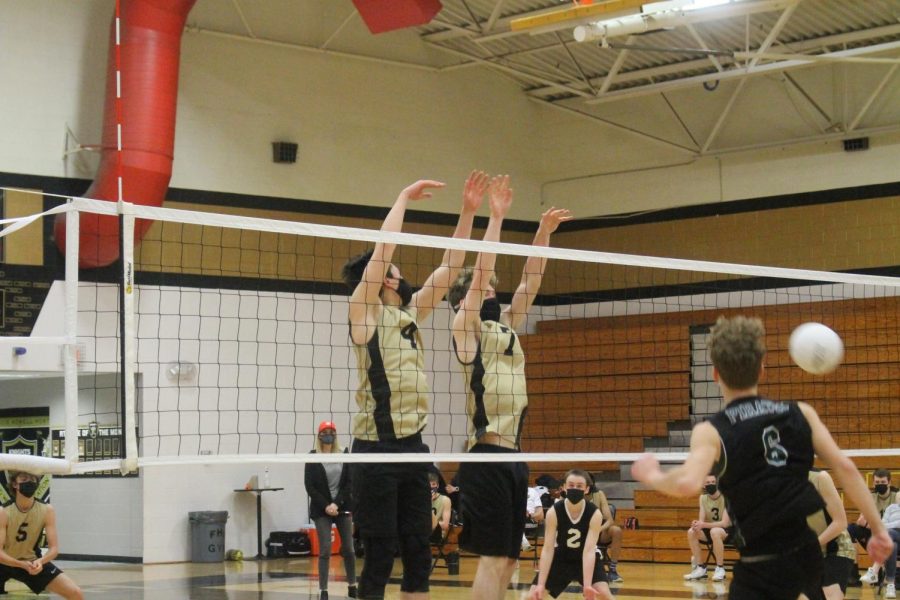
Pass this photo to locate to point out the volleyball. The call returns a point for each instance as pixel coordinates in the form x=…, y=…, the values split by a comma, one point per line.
x=816, y=348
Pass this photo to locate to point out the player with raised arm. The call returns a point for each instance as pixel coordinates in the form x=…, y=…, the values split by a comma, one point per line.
x=392, y=501
x=493, y=496
x=762, y=451
x=21, y=524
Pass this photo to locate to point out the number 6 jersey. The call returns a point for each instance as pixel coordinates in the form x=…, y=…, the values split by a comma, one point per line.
x=393, y=392
x=766, y=456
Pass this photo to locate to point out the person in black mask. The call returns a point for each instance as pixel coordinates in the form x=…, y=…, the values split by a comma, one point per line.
x=21, y=524
x=569, y=553
x=493, y=496
x=884, y=495
x=392, y=509
x=713, y=524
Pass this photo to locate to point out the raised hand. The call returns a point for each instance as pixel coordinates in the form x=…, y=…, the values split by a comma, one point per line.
x=473, y=193
x=645, y=468
x=500, y=195
x=880, y=546
x=419, y=190
x=552, y=217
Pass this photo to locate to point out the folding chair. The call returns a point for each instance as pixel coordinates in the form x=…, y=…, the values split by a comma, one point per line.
x=533, y=533
x=446, y=549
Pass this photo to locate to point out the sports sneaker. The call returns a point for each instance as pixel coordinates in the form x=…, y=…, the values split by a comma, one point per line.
x=698, y=572
x=890, y=591
x=719, y=574
x=614, y=576
x=871, y=576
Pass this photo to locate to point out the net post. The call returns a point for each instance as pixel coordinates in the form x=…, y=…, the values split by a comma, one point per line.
x=70, y=356
x=127, y=342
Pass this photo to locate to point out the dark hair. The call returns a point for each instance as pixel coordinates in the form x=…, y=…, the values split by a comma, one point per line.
x=882, y=473
x=579, y=473
x=353, y=269
x=432, y=476
x=737, y=348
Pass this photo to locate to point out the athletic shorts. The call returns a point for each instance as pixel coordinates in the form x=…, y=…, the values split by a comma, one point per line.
x=781, y=577
x=729, y=534
x=493, y=499
x=562, y=573
x=837, y=571
x=37, y=583
x=391, y=499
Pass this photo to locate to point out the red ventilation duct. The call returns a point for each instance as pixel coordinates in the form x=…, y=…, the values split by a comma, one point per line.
x=148, y=62
x=388, y=15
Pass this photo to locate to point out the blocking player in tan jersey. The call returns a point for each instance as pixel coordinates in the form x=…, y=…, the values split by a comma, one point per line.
x=392, y=501
x=21, y=524
x=493, y=496
x=831, y=527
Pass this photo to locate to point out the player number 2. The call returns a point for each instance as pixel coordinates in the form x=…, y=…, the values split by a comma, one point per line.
x=574, y=538
x=409, y=333
x=22, y=533
x=512, y=340
x=776, y=454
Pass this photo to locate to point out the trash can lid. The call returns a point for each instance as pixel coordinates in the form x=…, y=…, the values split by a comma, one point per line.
x=208, y=516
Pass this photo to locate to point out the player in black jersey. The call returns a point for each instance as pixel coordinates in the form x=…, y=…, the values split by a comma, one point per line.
x=762, y=451
x=573, y=525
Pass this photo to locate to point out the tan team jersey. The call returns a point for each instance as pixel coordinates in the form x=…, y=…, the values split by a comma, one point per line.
x=842, y=545
x=882, y=503
x=495, y=385
x=393, y=393
x=23, y=530
x=713, y=508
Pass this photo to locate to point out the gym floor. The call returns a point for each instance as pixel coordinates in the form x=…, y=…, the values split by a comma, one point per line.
x=283, y=578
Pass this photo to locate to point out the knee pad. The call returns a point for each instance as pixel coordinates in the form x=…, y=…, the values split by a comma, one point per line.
x=416, y=554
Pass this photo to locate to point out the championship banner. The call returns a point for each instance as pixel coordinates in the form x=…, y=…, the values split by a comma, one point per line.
x=25, y=431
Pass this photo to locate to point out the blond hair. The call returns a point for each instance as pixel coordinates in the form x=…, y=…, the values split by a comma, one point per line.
x=737, y=348
x=335, y=447
x=461, y=286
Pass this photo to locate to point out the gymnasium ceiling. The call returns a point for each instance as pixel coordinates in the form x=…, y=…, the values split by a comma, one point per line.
x=800, y=70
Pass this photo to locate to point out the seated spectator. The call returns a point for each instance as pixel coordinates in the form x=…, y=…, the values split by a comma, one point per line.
x=884, y=495
x=831, y=527
x=714, y=525
x=552, y=486
x=441, y=510
x=610, y=533
x=891, y=518
x=534, y=512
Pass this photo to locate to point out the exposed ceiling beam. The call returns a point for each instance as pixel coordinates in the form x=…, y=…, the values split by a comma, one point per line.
x=775, y=67
x=875, y=93
x=724, y=115
x=500, y=25
x=495, y=14
x=809, y=101
x=337, y=31
x=773, y=33
x=616, y=67
x=693, y=31
x=796, y=47
x=824, y=137
x=240, y=12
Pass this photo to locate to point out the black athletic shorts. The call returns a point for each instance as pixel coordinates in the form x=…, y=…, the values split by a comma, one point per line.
x=391, y=499
x=837, y=571
x=493, y=501
x=562, y=573
x=779, y=577
x=37, y=583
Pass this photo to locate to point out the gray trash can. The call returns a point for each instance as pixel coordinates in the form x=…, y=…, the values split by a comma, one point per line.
x=208, y=535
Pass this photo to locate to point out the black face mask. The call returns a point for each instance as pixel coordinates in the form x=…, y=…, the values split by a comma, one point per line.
x=881, y=489
x=327, y=438
x=711, y=488
x=434, y=490
x=404, y=290
x=490, y=310
x=574, y=495
x=28, y=488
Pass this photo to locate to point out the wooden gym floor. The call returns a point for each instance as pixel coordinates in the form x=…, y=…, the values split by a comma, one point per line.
x=292, y=578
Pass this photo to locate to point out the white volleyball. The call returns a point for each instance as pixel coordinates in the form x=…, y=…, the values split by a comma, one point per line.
x=816, y=348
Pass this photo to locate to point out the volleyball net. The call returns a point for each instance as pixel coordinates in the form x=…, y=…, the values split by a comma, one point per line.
x=225, y=338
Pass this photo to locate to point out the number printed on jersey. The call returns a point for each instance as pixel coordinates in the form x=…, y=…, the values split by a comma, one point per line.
x=776, y=454
x=574, y=538
x=409, y=333
x=22, y=533
x=512, y=339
